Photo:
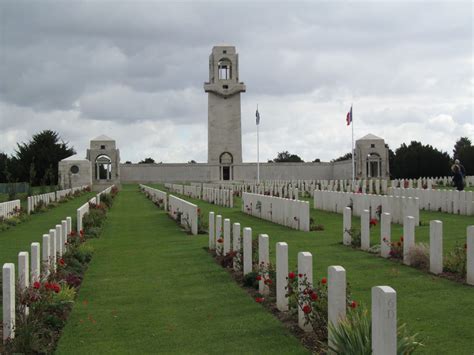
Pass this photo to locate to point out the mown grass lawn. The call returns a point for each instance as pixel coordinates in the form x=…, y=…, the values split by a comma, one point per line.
x=439, y=309
x=151, y=288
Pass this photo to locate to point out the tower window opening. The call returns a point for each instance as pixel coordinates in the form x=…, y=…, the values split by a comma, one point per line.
x=225, y=69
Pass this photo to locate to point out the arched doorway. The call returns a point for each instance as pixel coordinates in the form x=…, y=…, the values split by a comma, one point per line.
x=374, y=165
x=103, y=168
x=226, y=160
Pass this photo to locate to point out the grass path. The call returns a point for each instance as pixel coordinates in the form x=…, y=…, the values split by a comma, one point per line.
x=439, y=309
x=151, y=288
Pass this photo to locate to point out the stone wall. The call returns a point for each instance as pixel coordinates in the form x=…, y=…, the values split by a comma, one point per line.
x=143, y=173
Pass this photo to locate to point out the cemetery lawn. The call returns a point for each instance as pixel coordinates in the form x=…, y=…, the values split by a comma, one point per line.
x=19, y=238
x=438, y=309
x=151, y=288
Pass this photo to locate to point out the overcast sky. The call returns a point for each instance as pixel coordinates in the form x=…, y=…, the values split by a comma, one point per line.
x=134, y=70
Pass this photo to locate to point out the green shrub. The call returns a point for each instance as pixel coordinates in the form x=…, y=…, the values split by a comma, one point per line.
x=250, y=280
x=456, y=260
x=94, y=218
x=106, y=199
x=353, y=335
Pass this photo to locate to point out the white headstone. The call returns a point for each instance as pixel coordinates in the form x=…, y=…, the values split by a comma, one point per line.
x=219, y=246
x=35, y=262
x=305, y=268
x=384, y=321
x=46, y=252
x=263, y=260
x=227, y=240
x=59, y=240
x=23, y=270
x=385, y=235
x=64, y=238
x=336, y=295
x=408, y=238
x=236, y=244
x=8, y=281
x=436, y=247
x=247, y=241
x=347, y=223
x=281, y=275
x=53, y=248
x=212, y=240
x=69, y=225
x=365, y=230
x=470, y=255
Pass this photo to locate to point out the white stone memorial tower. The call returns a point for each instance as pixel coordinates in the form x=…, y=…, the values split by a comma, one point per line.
x=224, y=116
x=105, y=159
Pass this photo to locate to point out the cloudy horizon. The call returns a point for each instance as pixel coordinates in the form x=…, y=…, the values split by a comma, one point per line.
x=134, y=71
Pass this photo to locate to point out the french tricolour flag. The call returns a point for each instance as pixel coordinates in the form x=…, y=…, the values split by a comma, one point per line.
x=349, y=117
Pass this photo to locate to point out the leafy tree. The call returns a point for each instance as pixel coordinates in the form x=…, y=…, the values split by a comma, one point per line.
x=317, y=160
x=44, y=151
x=346, y=156
x=3, y=167
x=147, y=161
x=192, y=162
x=418, y=160
x=128, y=162
x=464, y=151
x=286, y=157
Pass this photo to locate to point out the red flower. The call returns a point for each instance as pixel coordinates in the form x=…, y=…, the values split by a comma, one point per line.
x=259, y=277
x=220, y=240
x=384, y=239
x=353, y=304
x=199, y=210
x=81, y=232
x=259, y=299
x=291, y=275
x=307, y=309
x=62, y=262
x=401, y=238
x=399, y=244
x=300, y=275
x=324, y=281
x=314, y=296
x=56, y=288
x=36, y=285
x=268, y=282
x=373, y=222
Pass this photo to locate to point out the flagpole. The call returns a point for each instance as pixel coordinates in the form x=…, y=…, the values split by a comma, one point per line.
x=258, y=153
x=352, y=147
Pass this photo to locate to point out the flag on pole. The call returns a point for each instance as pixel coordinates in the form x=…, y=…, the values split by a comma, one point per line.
x=349, y=117
x=257, y=115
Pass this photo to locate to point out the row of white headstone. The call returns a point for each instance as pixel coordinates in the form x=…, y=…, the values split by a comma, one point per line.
x=156, y=195
x=384, y=308
x=398, y=207
x=175, y=188
x=54, y=244
x=219, y=197
x=81, y=211
x=290, y=213
x=9, y=209
x=186, y=211
x=428, y=183
x=449, y=201
x=47, y=198
x=436, y=240
x=192, y=191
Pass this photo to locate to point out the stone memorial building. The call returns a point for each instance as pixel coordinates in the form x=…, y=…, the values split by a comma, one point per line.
x=102, y=163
